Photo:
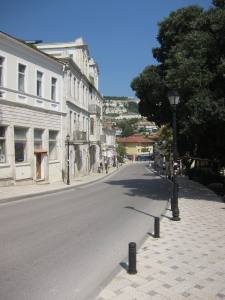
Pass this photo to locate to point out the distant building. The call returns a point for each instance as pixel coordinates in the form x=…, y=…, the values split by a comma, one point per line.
x=146, y=126
x=136, y=145
x=119, y=106
x=128, y=116
x=108, y=141
x=118, y=131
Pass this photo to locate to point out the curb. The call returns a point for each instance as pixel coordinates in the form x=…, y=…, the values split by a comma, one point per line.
x=118, y=268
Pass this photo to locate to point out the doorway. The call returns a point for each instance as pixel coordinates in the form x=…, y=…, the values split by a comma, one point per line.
x=38, y=166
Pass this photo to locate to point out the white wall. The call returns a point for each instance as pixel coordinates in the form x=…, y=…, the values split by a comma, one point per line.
x=26, y=109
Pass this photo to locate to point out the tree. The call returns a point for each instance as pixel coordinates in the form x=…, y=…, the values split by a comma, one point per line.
x=128, y=126
x=191, y=60
x=121, y=153
x=132, y=107
x=219, y=3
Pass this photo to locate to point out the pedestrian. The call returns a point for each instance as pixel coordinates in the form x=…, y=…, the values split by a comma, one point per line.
x=106, y=167
x=101, y=167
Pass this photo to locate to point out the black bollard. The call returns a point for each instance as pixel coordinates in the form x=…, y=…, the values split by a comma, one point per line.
x=157, y=228
x=132, y=258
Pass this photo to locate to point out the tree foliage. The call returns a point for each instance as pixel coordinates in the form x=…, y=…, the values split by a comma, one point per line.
x=128, y=127
x=121, y=153
x=191, y=60
x=132, y=107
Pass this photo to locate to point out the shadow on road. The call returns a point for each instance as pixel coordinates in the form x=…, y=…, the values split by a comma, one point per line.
x=124, y=265
x=140, y=211
x=155, y=188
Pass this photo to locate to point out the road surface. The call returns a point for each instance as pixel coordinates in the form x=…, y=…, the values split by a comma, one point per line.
x=65, y=245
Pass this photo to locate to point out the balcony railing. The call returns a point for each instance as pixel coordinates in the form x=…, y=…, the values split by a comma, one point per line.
x=79, y=136
x=94, y=109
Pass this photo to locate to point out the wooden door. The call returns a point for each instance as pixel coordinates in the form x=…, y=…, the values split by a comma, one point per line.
x=38, y=165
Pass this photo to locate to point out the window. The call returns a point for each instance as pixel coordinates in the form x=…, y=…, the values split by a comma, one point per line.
x=87, y=128
x=39, y=83
x=2, y=145
x=78, y=122
x=20, y=137
x=74, y=88
x=83, y=94
x=53, y=144
x=92, y=126
x=38, y=139
x=21, y=77
x=70, y=84
x=70, y=121
x=53, y=88
x=1, y=70
x=74, y=120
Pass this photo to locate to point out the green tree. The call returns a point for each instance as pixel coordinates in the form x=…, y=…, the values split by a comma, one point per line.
x=128, y=127
x=121, y=153
x=191, y=60
x=132, y=107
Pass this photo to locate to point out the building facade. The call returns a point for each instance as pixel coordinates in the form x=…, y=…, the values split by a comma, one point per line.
x=50, y=111
x=83, y=104
x=136, y=145
x=31, y=114
x=109, y=145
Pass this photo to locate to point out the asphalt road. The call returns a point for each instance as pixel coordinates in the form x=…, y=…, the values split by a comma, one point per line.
x=65, y=245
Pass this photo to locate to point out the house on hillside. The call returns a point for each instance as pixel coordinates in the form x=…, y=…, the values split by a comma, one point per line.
x=120, y=106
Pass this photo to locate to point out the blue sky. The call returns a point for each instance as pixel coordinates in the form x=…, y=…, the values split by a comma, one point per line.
x=120, y=33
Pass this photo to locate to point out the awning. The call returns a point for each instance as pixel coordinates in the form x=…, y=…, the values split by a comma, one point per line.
x=40, y=151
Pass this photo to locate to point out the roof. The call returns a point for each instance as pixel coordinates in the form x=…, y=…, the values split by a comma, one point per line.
x=135, y=139
x=31, y=46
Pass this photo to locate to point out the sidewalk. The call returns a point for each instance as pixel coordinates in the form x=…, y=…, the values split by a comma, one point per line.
x=187, y=262
x=12, y=193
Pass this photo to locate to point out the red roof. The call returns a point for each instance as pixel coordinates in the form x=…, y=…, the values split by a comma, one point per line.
x=135, y=139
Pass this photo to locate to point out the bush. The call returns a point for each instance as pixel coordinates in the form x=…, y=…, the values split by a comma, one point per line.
x=205, y=176
x=217, y=187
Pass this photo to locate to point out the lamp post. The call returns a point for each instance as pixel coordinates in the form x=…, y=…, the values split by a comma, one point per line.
x=174, y=101
x=68, y=159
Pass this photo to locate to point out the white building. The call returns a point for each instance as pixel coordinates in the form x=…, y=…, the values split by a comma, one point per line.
x=119, y=106
x=109, y=145
x=83, y=103
x=31, y=114
x=128, y=116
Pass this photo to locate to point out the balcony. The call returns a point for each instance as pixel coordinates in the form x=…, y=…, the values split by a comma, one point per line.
x=94, y=138
x=94, y=109
x=79, y=136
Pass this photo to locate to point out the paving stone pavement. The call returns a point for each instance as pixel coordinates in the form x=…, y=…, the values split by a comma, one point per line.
x=187, y=262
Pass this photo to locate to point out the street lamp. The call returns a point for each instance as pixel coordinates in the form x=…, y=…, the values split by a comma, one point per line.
x=174, y=101
x=68, y=159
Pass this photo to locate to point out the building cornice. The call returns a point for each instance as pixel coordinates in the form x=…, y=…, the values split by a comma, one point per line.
x=30, y=48
x=78, y=108
x=70, y=63
x=24, y=105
